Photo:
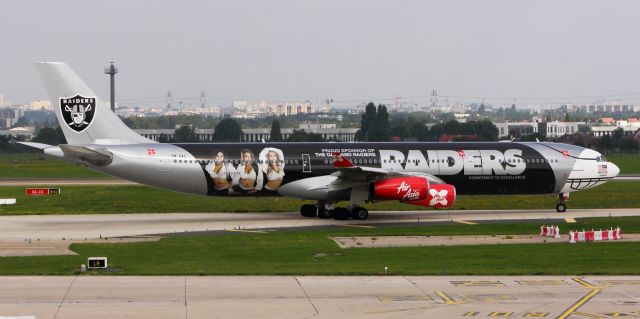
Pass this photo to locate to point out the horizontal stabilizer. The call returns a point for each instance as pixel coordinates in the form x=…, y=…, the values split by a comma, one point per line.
x=40, y=146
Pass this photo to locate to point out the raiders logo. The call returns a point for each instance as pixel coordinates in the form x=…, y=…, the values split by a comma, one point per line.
x=78, y=111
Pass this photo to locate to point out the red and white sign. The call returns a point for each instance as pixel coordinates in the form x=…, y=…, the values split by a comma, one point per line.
x=42, y=191
x=151, y=151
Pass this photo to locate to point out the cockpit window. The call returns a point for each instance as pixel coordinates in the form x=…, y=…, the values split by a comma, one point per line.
x=601, y=158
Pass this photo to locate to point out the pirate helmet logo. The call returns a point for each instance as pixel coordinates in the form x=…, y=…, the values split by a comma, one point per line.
x=78, y=111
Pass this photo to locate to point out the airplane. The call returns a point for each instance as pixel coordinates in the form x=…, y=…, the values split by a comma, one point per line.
x=427, y=174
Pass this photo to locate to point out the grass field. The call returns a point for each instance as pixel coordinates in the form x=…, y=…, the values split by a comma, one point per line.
x=33, y=166
x=142, y=199
x=310, y=252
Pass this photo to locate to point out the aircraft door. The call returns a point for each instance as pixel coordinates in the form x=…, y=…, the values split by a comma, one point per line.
x=472, y=162
x=577, y=166
x=306, y=163
x=163, y=164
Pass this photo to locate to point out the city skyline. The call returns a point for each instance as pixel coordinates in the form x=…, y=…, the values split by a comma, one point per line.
x=536, y=52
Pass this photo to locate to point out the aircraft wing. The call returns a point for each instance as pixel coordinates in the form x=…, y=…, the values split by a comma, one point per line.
x=347, y=171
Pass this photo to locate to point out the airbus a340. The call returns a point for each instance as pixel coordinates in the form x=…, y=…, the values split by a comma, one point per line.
x=424, y=174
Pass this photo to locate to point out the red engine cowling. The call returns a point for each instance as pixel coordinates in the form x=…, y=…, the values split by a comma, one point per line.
x=440, y=195
x=410, y=188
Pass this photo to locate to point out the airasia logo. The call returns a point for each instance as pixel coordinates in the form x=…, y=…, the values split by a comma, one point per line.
x=438, y=197
x=409, y=193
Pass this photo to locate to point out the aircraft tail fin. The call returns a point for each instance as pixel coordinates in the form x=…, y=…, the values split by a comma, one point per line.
x=83, y=116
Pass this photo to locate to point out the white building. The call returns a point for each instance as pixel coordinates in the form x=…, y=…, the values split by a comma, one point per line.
x=516, y=129
x=548, y=129
x=557, y=129
x=258, y=134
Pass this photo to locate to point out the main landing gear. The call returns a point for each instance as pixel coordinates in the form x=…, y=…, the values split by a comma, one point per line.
x=561, y=206
x=339, y=213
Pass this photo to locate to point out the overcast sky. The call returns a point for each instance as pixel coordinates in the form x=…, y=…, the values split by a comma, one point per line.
x=345, y=50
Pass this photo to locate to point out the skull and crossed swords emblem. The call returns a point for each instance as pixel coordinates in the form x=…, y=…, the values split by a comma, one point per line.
x=78, y=111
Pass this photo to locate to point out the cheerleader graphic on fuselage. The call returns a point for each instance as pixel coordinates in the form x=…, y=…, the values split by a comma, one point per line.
x=248, y=178
x=272, y=164
x=221, y=172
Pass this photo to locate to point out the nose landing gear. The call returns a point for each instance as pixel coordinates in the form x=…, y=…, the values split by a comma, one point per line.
x=561, y=206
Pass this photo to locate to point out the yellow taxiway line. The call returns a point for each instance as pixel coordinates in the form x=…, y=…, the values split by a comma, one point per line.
x=466, y=222
x=358, y=226
x=247, y=231
x=448, y=300
x=572, y=310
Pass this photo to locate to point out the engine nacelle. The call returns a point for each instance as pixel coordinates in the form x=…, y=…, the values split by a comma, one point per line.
x=439, y=195
x=410, y=188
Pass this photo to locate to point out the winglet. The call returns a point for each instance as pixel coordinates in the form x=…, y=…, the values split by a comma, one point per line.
x=340, y=161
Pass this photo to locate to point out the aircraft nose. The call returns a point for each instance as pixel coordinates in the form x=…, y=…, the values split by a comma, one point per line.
x=614, y=170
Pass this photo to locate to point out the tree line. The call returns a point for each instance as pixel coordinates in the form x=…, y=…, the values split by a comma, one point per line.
x=375, y=126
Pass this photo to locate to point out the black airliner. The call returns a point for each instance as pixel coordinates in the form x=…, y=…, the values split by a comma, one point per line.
x=424, y=174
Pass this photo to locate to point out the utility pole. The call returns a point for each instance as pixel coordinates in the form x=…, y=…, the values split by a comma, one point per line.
x=434, y=100
x=169, y=100
x=203, y=99
x=112, y=70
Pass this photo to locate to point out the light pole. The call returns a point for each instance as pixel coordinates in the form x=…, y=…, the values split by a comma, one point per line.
x=112, y=70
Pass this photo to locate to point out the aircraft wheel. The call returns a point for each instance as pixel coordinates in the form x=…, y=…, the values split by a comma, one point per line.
x=341, y=213
x=308, y=210
x=561, y=207
x=324, y=213
x=359, y=213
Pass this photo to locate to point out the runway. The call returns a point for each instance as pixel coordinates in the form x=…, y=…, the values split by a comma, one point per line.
x=320, y=297
x=80, y=227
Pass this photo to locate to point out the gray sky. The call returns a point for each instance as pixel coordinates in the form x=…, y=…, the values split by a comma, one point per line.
x=346, y=50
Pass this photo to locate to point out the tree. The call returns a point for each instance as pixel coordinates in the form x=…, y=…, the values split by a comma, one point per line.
x=186, y=133
x=400, y=127
x=481, y=109
x=419, y=131
x=276, y=135
x=163, y=138
x=50, y=135
x=367, y=123
x=382, y=129
x=228, y=130
x=302, y=136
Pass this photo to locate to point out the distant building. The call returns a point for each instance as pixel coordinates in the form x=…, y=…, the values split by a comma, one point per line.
x=25, y=133
x=607, y=120
x=8, y=117
x=602, y=130
x=548, y=129
x=259, y=134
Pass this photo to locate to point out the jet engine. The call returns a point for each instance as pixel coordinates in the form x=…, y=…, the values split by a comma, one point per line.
x=410, y=188
x=439, y=196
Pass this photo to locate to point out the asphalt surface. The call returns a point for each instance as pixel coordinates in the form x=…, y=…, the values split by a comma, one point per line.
x=320, y=297
x=80, y=227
